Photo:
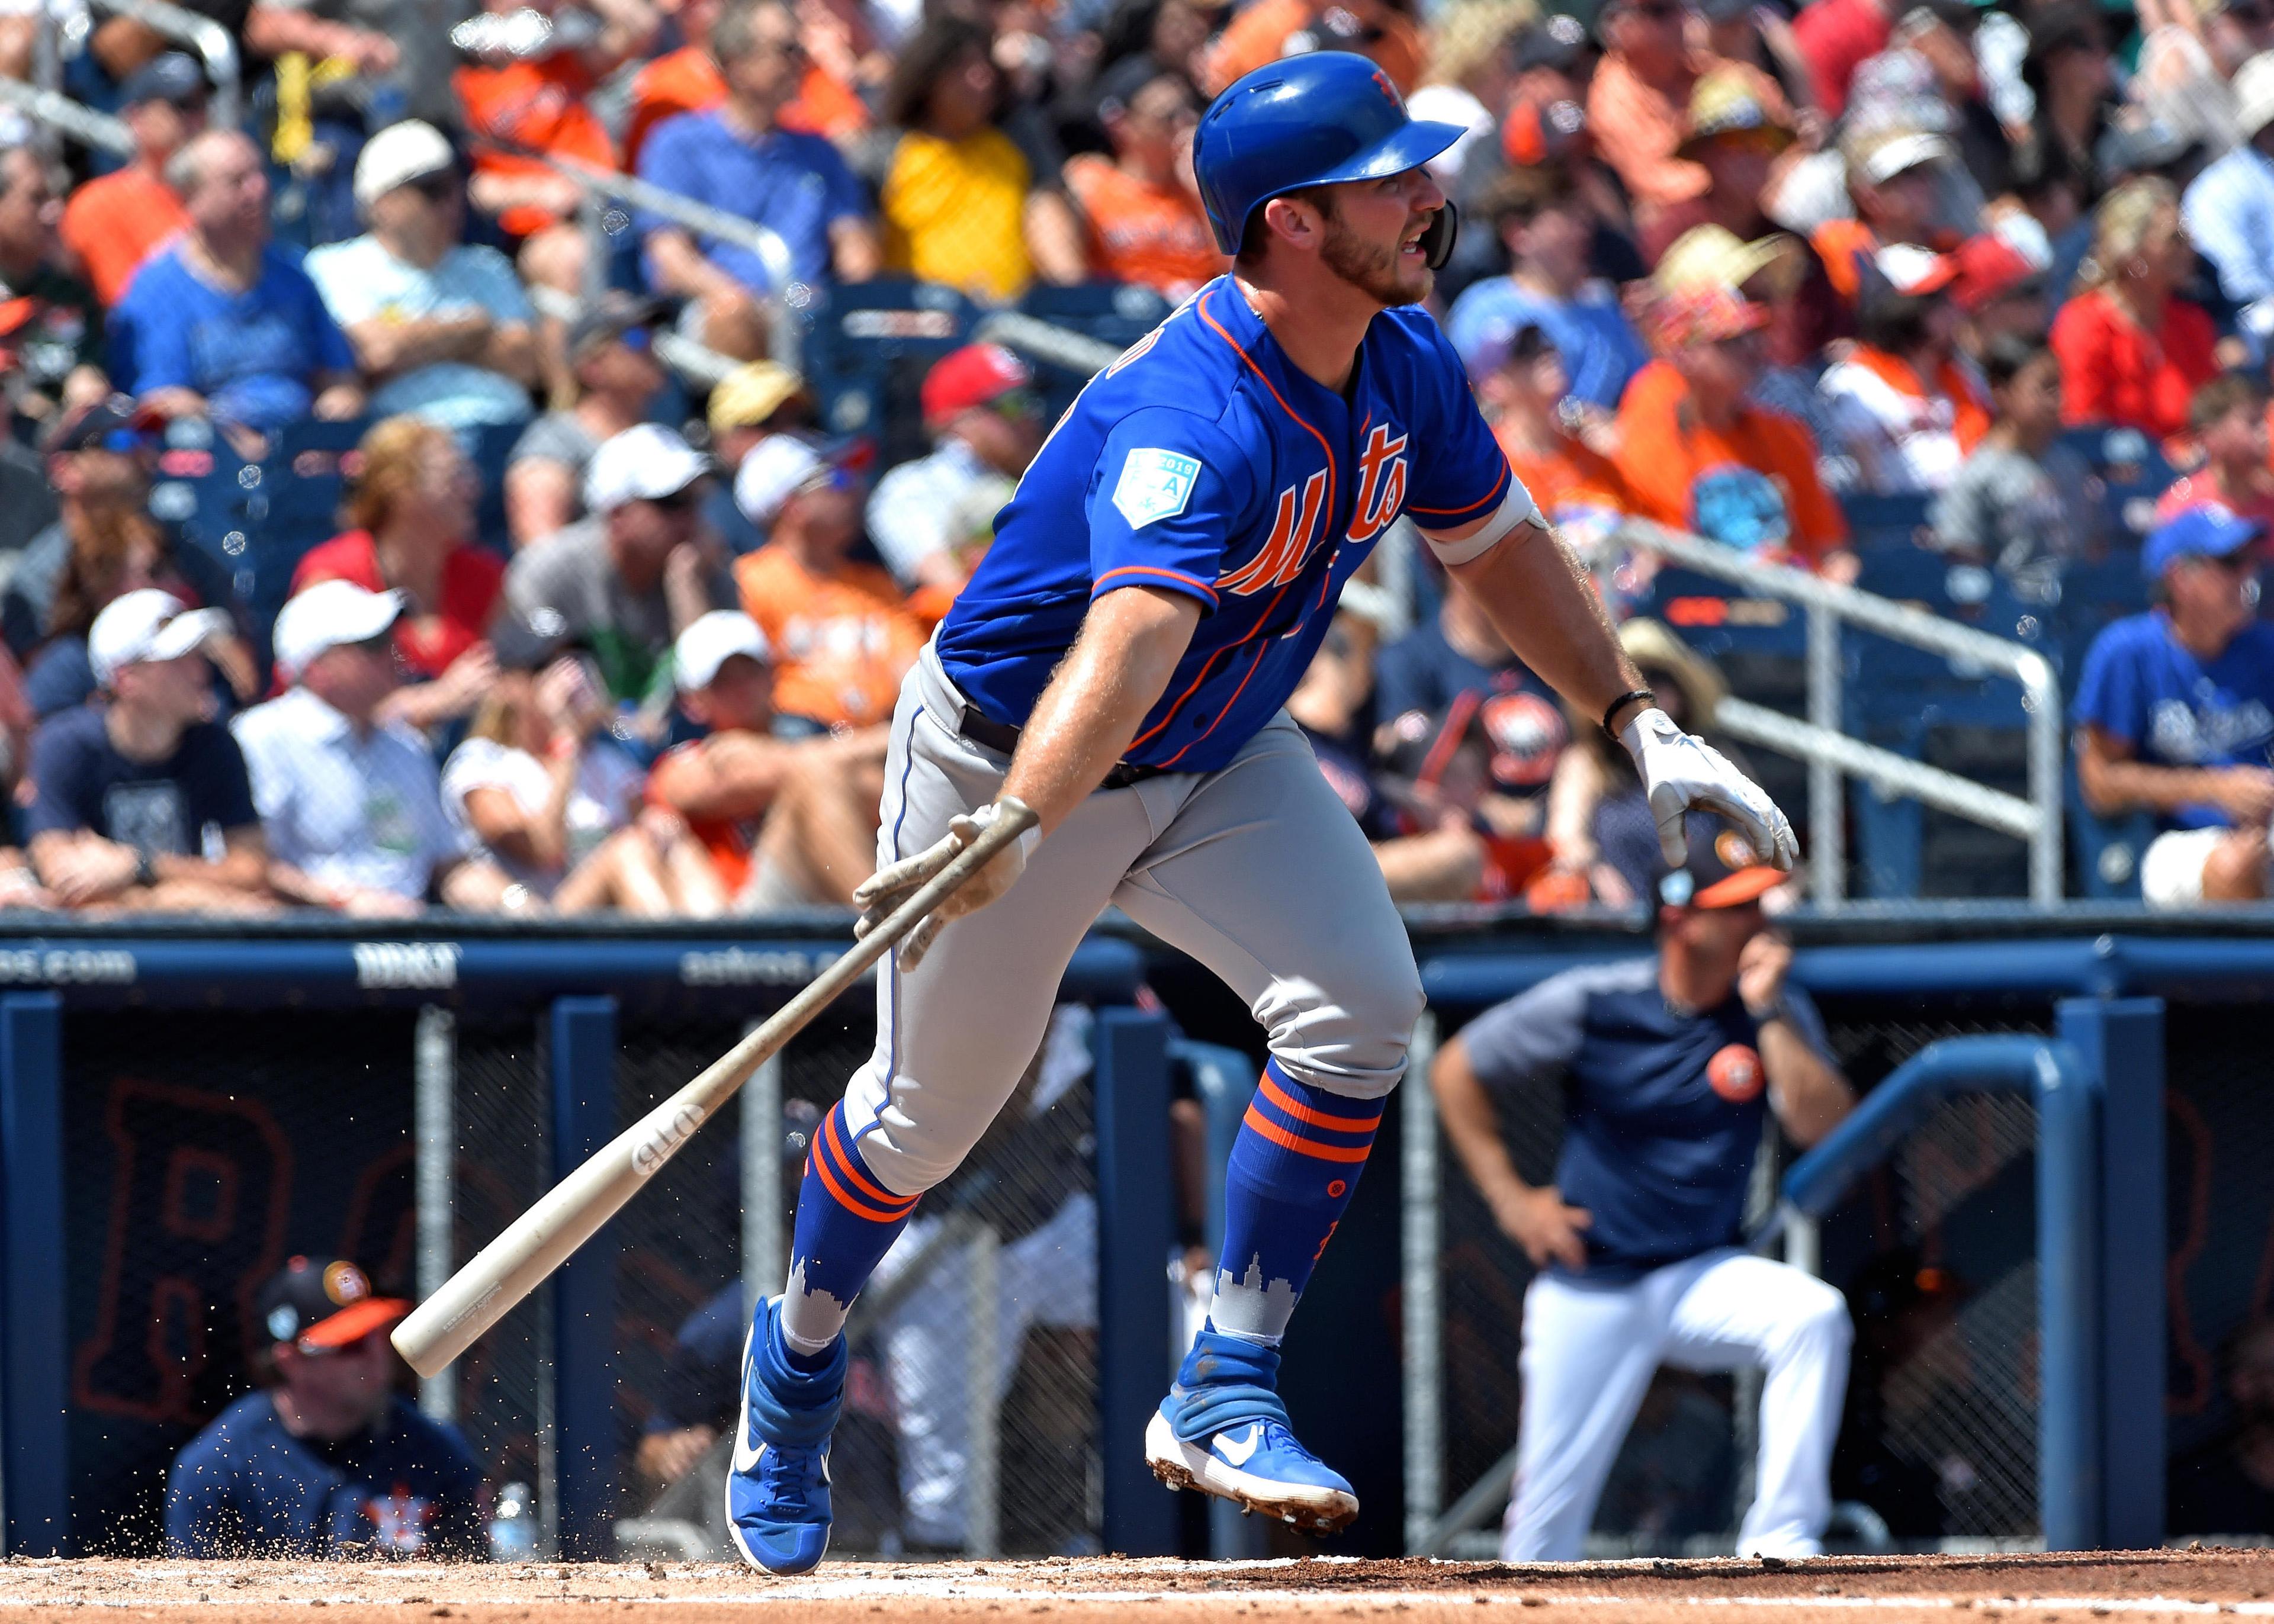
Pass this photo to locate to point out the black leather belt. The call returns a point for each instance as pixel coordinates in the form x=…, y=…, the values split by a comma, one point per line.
x=983, y=729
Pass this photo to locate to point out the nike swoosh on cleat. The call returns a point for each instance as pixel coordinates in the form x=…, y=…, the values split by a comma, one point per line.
x=1239, y=1451
x=747, y=1448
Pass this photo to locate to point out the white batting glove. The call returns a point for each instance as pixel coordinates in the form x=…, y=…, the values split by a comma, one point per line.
x=1682, y=773
x=883, y=891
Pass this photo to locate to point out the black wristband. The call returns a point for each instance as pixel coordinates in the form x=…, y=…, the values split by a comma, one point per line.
x=146, y=872
x=1612, y=709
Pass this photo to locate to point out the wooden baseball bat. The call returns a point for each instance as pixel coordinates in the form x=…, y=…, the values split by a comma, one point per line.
x=564, y=1218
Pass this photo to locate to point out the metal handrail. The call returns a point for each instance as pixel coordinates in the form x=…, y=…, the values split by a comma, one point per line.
x=698, y=364
x=782, y=297
x=83, y=124
x=1830, y=754
x=208, y=38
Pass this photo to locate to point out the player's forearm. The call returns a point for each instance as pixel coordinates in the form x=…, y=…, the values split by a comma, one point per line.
x=1469, y=1123
x=1540, y=599
x=1811, y=1098
x=1089, y=715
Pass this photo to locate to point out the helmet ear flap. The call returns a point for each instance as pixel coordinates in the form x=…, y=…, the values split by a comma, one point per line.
x=1437, y=240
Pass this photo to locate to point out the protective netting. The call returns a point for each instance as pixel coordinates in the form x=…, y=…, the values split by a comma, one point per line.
x=1935, y=1251
x=206, y=1148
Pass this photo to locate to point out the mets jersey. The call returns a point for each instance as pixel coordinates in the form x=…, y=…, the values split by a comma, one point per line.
x=1204, y=462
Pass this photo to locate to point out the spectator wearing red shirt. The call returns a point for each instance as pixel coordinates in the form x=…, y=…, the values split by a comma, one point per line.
x=412, y=510
x=2131, y=353
x=1144, y=223
x=1837, y=37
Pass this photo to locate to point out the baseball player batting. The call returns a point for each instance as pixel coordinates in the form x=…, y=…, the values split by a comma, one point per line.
x=1118, y=662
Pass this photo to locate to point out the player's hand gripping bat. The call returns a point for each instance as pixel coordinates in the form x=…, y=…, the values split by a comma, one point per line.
x=564, y=1218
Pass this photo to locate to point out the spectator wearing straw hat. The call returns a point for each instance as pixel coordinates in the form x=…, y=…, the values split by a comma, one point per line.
x=441, y=327
x=2229, y=208
x=140, y=798
x=932, y=518
x=753, y=403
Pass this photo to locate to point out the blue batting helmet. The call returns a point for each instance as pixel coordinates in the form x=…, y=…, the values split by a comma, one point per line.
x=1305, y=120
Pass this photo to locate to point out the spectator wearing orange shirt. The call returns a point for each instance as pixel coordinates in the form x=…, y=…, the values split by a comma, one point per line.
x=688, y=80
x=520, y=109
x=1638, y=103
x=840, y=637
x=1145, y=224
x=1698, y=456
x=1271, y=29
x=1521, y=383
x=1901, y=404
x=116, y=222
x=1894, y=180
x=2132, y=354
x=784, y=823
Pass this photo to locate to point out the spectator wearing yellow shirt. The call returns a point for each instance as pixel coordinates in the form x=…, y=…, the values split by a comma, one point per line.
x=958, y=201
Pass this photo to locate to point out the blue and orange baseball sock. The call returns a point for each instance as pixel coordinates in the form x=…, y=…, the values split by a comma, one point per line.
x=847, y=1220
x=1293, y=1167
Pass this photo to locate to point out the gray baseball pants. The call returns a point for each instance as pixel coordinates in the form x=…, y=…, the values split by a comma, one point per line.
x=1255, y=869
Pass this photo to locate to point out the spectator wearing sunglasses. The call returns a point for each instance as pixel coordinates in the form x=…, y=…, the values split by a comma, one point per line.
x=738, y=158
x=325, y=1461
x=632, y=574
x=1638, y=103
x=932, y=519
x=842, y=637
x=441, y=328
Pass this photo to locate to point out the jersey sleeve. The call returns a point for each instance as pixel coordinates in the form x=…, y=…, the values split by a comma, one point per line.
x=1170, y=492
x=2109, y=695
x=1460, y=473
x=1530, y=1036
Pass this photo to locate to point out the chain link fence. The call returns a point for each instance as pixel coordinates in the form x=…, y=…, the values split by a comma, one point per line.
x=1936, y=1252
x=207, y=1148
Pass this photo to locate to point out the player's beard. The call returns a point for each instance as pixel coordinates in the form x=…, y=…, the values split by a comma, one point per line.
x=1376, y=271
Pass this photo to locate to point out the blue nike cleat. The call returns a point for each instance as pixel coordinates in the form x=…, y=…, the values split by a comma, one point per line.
x=778, y=1492
x=1223, y=1432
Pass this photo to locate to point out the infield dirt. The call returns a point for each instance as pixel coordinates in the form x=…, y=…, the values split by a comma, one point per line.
x=2022, y=1590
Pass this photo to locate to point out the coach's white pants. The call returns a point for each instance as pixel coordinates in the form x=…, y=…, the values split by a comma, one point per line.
x=1589, y=1353
x=1257, y=870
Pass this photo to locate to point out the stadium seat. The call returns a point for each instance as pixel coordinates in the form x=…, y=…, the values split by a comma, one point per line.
x=1876, y=522
x=493, y=443
x=866, y=348
x=1115, y=313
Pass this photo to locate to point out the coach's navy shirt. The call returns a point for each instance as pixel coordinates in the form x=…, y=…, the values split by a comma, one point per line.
x=246, y=1486
x=1663, y=1106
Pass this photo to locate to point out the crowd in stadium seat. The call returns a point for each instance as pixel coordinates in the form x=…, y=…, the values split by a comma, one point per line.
x=495, y=551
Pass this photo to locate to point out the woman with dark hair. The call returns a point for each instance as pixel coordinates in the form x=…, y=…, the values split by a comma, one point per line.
x=104, y=543
x=1903, y=407
x=410, y=517
x=958, y=200
x=2069, y=70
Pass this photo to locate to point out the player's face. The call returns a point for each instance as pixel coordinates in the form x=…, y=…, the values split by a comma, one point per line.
x=1373, y=237
x=338, y=1392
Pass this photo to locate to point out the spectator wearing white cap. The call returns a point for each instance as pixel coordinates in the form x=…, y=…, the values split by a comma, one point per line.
x=2229, y=208
x=353, y=807
x=441, y=328
x=142, y=798
x=784, y=823
x=638, y=569
x=842, y=638
x=557, y=803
